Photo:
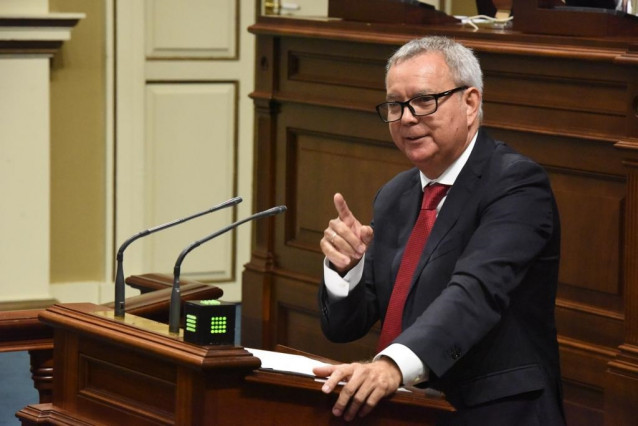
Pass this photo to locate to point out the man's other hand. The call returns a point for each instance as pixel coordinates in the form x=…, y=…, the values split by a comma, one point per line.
x=365, y=385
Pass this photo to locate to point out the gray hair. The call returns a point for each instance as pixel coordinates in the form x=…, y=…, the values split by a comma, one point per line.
x=463, y=64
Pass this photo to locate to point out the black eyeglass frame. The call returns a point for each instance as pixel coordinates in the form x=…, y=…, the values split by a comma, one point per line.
x=404, y=104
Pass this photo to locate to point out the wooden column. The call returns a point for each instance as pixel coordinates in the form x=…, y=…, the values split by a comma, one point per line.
x=257, y=277
x=621, y=382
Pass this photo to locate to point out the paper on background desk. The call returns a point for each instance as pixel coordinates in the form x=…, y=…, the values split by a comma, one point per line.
x=289, y=363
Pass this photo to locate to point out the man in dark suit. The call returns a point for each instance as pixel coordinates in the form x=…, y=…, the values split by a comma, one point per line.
x=477, y=319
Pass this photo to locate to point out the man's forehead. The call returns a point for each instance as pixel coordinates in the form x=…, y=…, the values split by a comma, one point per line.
x=423, y=65
x=418, y=77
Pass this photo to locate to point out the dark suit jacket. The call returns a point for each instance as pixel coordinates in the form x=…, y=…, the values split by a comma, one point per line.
x=480, y=312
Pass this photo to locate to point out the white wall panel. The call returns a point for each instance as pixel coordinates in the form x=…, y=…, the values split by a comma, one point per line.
x=183, y=114
x=191, y=29
x=190, y=166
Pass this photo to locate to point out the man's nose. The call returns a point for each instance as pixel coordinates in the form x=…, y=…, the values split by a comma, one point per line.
x=409, y=115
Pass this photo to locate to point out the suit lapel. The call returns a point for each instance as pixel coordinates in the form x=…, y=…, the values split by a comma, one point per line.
x=407, y=210
x=458, y=196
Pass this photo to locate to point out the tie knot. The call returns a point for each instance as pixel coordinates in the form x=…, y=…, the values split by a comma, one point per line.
x=433, y=194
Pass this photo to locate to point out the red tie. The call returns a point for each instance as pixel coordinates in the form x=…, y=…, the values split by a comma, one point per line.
x=392, y=325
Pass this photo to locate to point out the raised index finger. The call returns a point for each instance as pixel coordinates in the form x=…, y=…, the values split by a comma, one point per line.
x=345, y=215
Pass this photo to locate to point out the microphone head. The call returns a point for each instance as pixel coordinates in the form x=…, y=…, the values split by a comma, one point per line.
x=235, y=200
x=271, y=211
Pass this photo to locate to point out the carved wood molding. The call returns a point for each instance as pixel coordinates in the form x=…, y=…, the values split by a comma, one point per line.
x=21, y=331
x=626, y=362
x=631, y=254
x=629, y=145
x=139, y=335
x=36, y=34
x=485, y=40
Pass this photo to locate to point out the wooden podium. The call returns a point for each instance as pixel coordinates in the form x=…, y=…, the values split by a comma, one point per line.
x=132, y=371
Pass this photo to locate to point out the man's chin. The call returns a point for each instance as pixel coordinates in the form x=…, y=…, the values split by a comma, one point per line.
x=426, y=165
x=419, y=157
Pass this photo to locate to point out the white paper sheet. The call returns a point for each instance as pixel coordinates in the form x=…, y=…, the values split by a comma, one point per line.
x=289, y=363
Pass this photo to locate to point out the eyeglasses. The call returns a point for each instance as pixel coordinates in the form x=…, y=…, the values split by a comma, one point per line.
x=418, y=105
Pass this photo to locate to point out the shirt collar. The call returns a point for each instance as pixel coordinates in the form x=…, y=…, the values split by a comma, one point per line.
x=448, y=177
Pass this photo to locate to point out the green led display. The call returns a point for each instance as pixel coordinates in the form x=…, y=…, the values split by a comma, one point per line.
x=209, y=322
x=191, y=323
x=218, y=325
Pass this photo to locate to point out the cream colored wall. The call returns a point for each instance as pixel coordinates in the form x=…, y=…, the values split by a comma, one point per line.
x=26, y=151
x=184, y=133
x=150, y=121
x=463, y=7
x=24, y=6
x=78, y=148
x=81, y=150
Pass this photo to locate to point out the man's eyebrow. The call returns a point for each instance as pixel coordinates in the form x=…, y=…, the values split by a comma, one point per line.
x=392, y=98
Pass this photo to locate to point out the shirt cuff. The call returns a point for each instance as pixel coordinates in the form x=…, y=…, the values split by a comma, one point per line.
x=339, y=287
x=412, y=369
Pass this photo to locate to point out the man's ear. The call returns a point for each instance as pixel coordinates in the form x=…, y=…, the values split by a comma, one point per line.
x=472, y=99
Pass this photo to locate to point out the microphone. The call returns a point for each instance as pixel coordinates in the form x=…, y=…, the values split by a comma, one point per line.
x=174, y=310
x=119, y=276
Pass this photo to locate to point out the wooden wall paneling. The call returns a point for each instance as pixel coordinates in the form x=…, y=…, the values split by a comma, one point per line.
x=555, y=95
x=317, y=159
x=318, y=164
x=583, y=368
x=344, y=74
x=621, y=383
x=592, y=238
x=322, y=149
x=545, y=109
x=582, y=404
x=297, y=322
